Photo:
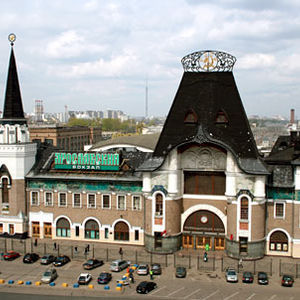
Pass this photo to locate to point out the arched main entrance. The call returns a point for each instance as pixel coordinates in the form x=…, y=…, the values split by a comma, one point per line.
x=203, y=229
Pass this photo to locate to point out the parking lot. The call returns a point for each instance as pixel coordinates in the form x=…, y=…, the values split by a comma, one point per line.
x=197, y=284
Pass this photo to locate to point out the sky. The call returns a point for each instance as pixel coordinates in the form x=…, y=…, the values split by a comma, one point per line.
x=98, y=55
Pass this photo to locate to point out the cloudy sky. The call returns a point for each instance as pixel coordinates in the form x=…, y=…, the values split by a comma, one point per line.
x=98, y=54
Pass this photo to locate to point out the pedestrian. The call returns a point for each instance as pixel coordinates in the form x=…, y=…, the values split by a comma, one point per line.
x=128, y=270
x=54, y=246
x=76, y=249
x=151, y=274
x=2, y=256
x=88, y=248
x=131, y=277
x=35, y=242
x=121, y=252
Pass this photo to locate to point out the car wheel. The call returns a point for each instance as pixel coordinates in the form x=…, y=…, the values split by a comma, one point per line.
x=146, y=292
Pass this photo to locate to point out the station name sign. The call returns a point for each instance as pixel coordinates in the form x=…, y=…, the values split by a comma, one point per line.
x=90, y=161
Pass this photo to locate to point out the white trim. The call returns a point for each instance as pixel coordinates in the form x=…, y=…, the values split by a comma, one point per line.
x=58, y=199
x=73, y=196
x=109, y=201
x=8, y=181
x=38, y=198
x=91, y=218
x=278, y=229
x=45, y=198
x=204, y=197
x=132, y=202
x=210, y=208
x=285, y=200
x=62, y=216
x=279, y=217
x=117, y=200
x=155, y=227
x=87, y=200
x=244, y=233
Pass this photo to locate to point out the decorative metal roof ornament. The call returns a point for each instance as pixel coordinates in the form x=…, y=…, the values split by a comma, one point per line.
x=12, y=38
x=208, y=61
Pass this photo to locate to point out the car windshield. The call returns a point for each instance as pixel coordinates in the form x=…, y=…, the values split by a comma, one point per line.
x=82, y=277
x=142, y=267
x=287, y=278
x=156, y=267
x=47, y=273
x=231, y=273
x=262, y=276
x=103, y=275
x=90, y=262
x=60, y=258
x=180, y=269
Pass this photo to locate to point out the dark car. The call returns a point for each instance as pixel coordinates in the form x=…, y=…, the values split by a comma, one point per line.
x=47, y=259
x=61, y=260
x=287, y=280
x=11, y=255
x=145, y=287
x=30, y=258
x=262, y=278
x=248, y=277
x=180, y=272
x=104, y=278
x=156, y=269
x=92, y=263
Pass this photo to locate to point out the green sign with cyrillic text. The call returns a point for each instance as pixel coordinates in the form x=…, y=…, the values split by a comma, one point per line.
x=89, y=161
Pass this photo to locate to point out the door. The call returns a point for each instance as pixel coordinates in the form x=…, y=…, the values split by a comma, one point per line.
x=219, y=243
x=36, y=229
x=47, y=230
x=188, y=241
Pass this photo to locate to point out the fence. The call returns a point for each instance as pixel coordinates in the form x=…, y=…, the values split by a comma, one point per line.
x=289, y=268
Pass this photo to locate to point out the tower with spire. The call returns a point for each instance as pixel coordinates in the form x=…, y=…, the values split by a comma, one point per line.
x=17, y=155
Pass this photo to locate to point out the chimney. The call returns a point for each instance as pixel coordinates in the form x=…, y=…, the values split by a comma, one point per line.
x=292, y=120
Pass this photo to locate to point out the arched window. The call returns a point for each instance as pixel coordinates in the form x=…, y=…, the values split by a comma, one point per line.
x=279, y=241
x=63, y=228
x=4, y=190
x=158, y=205
x=190, y=117
x=244, y=208
x=221, y=118
x=121, y=231
x=91, y=230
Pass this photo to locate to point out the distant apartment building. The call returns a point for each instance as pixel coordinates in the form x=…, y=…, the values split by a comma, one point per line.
x=65, y=138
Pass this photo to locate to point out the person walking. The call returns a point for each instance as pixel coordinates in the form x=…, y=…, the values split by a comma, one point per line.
x=151, y=274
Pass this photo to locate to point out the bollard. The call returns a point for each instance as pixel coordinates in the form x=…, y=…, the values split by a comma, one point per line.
x=91, y=286
x=76, y=285
x=52, y=283
x=106, y=287
x=64, y=284
x=2, y=281
x=20, y=282
x=10, y=282
x=37, y=283
x=28, y=282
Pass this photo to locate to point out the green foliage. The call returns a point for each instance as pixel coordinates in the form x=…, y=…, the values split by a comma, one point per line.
x=84, y=122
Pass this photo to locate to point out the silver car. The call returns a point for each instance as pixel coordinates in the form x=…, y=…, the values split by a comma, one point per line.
x=142, y=270
x=119, y=265
x=49, y=276
x=231, y=275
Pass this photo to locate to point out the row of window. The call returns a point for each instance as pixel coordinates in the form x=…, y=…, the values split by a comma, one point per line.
x=106, y=202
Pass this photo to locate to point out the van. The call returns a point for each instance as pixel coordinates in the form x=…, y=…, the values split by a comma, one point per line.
x=119, y=265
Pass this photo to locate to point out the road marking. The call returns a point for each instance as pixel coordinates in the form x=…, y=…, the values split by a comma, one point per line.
x=250, y=297
x=273, y=297
x=175, y=292
x=191, y=294
x=231, y=296
x=212, y=294
x=158, y=290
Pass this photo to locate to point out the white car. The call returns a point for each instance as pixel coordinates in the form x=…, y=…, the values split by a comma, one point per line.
x=142, y=270
x=84, y=278
x=231, y=275
x=49, y=276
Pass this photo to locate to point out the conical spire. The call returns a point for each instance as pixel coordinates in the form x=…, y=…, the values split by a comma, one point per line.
x=13, y=109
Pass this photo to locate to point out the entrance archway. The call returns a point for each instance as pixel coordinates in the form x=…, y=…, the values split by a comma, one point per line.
x=203, y=229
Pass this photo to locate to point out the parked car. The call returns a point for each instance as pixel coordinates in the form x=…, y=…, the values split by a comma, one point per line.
x=156, y=269
x=61, y=260
x=231, y=275
x=142, y=270
x=11, y=255
x=49, y=276
x=47, y=259
x=84, y=278
x=262, y=278
x=30, y=258
x=104, y=278
x=92, y=263
x=145, y=287
x=180, y=272
x=119, y=265
x=248, y=277
x=287, y=280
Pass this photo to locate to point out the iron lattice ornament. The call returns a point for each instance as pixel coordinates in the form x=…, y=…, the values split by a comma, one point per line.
x=208, y=61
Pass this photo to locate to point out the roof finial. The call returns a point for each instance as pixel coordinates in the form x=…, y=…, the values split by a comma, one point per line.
x=12, y=38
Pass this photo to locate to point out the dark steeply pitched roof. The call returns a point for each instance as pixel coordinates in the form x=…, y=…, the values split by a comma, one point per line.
x=209, y=95
x=13, y=109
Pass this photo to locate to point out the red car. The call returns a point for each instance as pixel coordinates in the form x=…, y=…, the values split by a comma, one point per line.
x=11, y=255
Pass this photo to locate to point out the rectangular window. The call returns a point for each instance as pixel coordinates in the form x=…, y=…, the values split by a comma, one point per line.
x=91, y=201
x=11, y=229
x=62, y=199
x=279, y=210
x=106, y=233
x=48, y=199
x=105, y=201
x=76, y=200
x=1, y=228
x=76, y=230
x=136, y=235
x=136, y=203
x=244, y=208
x=34, y=198
x=121, y=202
x=204, y=183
